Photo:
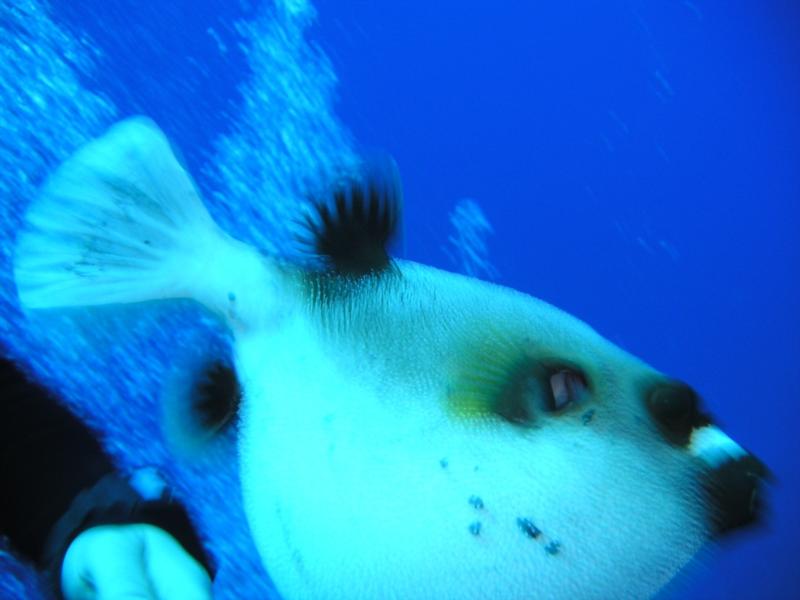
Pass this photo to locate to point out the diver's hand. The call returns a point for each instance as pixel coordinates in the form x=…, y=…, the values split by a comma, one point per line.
x=131, y=562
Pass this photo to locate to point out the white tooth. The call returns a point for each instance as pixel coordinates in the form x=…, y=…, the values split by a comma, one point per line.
x=711, y=445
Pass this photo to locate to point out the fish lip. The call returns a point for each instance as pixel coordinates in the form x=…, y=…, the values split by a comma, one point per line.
x=735, y=481
x=737, y=492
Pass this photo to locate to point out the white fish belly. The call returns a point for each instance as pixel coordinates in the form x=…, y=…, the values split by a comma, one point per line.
x=354, y=495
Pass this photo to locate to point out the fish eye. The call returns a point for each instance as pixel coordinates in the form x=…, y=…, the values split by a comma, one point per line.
x=566, y=387
x=541, y=389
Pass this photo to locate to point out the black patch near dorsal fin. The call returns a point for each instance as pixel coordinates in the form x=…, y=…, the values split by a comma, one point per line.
x=352, y=228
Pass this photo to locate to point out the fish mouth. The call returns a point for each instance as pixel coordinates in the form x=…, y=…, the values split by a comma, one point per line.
x=735, y=484
x=737, y=492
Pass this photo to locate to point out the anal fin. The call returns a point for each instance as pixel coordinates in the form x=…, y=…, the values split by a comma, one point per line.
x=202, y=398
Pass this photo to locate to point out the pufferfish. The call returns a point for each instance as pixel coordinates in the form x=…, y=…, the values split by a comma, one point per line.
x=404, y=432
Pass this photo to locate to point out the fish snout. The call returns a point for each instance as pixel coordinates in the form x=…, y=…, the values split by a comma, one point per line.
x=735, y=480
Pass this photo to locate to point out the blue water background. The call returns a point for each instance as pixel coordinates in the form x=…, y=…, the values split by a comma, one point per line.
x=639, y=164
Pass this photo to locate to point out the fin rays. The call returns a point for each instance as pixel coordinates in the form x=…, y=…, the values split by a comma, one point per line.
x=352, y=230
x=110, y=224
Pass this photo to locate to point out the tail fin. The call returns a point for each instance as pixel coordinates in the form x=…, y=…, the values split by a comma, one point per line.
x=120, y=221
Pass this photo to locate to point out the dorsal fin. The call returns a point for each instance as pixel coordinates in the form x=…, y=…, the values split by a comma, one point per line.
x=351, y=228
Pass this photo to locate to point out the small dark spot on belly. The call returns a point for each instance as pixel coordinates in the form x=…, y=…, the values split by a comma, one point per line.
x=476, y=502
x=297, y=558
x=527, y=527
x=231, y=297
x=475, y=528
x=553, y=548
x=587, y=417
x=443, y=463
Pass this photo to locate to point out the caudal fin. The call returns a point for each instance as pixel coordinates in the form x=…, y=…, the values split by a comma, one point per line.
x=120, y=221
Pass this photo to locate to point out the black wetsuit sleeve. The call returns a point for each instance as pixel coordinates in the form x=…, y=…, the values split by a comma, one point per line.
x=57, y=481
x=47, y=458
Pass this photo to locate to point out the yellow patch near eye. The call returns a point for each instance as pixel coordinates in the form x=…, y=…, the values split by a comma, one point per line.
x=489, y=379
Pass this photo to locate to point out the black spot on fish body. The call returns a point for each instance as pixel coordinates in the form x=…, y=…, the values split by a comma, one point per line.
x=476, y=502
x=675, y=408
x=298, y=561
x=475, y=528
x=553, y=548
x=527, y=527
x=443, y=463
x=587, y=417
x=231, y=297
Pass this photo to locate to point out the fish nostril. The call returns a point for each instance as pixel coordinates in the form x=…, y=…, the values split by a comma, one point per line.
x=675, y=408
